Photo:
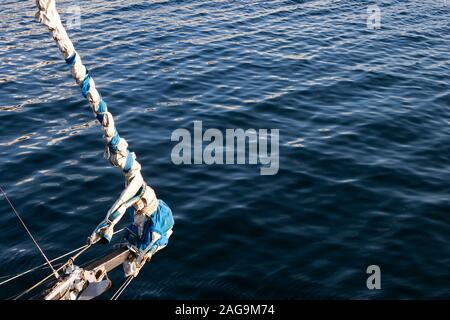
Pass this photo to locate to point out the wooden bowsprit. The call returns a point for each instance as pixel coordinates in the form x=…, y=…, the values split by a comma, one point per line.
x=83, y=283
x=86, y=283
x=89, y=282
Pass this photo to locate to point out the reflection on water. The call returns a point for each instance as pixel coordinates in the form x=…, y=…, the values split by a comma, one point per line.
x=363, y=118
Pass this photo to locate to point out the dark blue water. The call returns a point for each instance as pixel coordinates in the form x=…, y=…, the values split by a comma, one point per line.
x=364, y=122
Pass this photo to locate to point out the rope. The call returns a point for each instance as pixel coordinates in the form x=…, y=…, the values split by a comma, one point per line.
x=44, y=264
x=118, y=231
x=53, y=260
x=71, y=260
x=128, y=280
x=29, y=233
x=40, y=266
x=39, y=283
x=122, y=288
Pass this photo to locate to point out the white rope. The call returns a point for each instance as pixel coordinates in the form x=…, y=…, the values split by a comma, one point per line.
x=29, y=233
x=122, y=288
x=38, y=284
x=44, y=264
x=70, y=261
x=129, y=279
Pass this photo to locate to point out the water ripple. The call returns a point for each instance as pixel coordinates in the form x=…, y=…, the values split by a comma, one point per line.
x=364, y=124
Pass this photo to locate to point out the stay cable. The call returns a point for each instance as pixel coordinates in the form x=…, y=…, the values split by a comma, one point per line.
x=29, y=233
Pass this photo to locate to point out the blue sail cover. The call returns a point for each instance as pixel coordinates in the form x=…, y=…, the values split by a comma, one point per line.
x=161, y=221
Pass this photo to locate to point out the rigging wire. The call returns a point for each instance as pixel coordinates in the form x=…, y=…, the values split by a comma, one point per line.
x=130, y=278
x=80, y=250
x=18, y=275
x=29, y=233
x=122, y=288
x=38, y=284
x=71, y=260
x=40, y=266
